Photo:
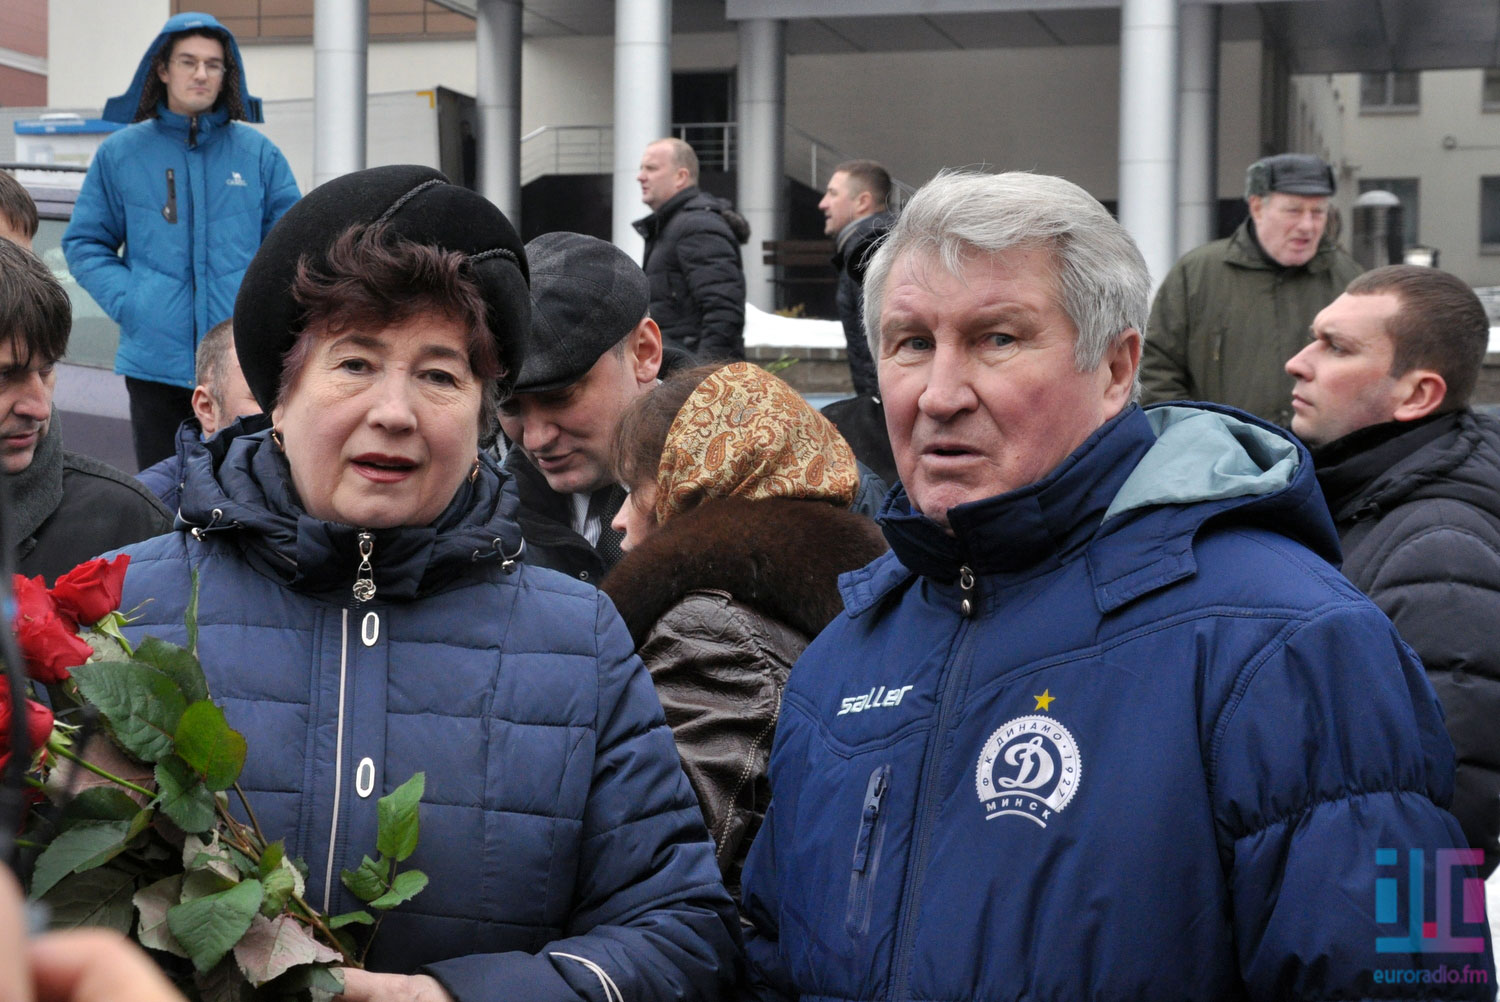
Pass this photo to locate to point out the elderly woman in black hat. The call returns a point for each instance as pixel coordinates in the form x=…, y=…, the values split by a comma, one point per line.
x=363, y=615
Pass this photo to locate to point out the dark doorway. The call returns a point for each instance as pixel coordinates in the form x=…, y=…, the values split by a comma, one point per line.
x=703, y=116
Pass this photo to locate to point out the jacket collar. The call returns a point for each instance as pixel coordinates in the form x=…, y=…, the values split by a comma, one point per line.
x=182, y=126
x=36, y=491
x=650, y=226
x=1136, y=537
x=858, y=233
x=1245, y=251
x=1377, y=468
x=239, y=483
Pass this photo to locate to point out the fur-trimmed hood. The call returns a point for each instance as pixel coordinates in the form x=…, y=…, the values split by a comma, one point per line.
x=780, y=557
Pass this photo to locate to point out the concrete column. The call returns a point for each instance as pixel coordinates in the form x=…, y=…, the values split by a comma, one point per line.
x=497, y=30
x=340, y=55
x=643, y=105
x=1148, y=129
x=760, y=144
x=1198, y=128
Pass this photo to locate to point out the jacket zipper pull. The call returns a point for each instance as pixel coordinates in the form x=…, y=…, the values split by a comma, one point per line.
x=364, y=578
x=169, y=211
x=966, y=587
x=193, y=132
x=874, y=796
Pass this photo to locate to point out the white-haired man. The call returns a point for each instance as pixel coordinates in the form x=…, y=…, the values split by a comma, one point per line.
x=1106, y=723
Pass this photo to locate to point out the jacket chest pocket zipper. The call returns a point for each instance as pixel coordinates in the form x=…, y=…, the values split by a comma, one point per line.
x=867, y=847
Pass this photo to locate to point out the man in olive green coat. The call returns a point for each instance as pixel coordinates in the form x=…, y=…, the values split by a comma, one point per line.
x=1230, y=313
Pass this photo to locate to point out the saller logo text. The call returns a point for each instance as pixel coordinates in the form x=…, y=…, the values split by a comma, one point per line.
x=874, y=699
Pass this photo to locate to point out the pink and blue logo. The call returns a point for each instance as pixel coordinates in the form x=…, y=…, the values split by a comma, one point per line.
x=1437, y=935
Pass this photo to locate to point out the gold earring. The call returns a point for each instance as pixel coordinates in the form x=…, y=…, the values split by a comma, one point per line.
x=474, y=473
x=276, y=437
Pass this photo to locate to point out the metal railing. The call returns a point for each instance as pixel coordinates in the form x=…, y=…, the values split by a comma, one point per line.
x=567, y=149
x=589, y=149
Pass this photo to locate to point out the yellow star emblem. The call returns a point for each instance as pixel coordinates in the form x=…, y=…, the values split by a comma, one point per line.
x=1044, y=701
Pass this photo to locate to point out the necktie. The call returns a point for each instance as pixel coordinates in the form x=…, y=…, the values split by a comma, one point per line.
x=603, y=505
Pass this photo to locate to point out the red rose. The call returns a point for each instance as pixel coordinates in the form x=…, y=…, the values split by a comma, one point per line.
x=91, y=591
x=38, y=724
x=46, y=636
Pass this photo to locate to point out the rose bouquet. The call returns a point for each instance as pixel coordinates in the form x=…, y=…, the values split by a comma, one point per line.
x=140, y=836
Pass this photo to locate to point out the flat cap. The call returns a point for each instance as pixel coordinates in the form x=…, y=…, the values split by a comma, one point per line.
x=1290, y=173
x=414, y=202
x=586, y=295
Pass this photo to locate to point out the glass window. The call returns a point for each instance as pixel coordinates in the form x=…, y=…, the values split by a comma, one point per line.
x=1492, y=90
x=1406, y=189
x=1489, y=213
x=1397, y=90
x=95, y=337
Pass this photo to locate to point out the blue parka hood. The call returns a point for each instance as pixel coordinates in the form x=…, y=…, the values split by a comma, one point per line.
x=122, y=107
x=1182, y=467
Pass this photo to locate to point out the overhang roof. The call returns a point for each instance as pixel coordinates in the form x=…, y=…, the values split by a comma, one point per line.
x=1317, y=36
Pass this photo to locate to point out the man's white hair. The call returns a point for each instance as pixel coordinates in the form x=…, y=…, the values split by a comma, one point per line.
x=1102, y=281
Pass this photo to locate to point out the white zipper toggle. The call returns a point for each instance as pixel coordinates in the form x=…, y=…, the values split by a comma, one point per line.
x=364, y=777
x=369, y=629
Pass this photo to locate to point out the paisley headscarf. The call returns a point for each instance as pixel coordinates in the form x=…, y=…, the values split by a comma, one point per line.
x=745, y=433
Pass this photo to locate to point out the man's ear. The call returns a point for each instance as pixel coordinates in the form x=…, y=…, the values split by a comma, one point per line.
x=205, y=411
x=1419, y=393
x=643, y=351
x=864, y=203
x=1122, y=359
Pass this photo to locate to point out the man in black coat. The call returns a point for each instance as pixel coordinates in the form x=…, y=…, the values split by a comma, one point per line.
x=592, y=351
x=1412, y=478
x=855, y=215
x=61, y=508
x=692, y=256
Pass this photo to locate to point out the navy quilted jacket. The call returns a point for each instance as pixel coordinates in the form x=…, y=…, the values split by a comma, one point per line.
x=567, y=854
x=1171, y=753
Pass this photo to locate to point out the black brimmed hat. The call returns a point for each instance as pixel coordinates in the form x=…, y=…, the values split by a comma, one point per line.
x=414, y=202
x=1291, y=174
x=586, y=295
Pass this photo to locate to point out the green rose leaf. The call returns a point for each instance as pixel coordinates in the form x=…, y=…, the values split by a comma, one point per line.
x=206, y=742
x=406, y=886
x=350, y=918
x=320, y=983
x=225, y=983
x=190, y=616
x=200, y=854
x=370, y=881
x=99, y=897
x=99, y=803
x=281, y=883
x=178, y=664
x=152, y=903
x=82, y=847
x=272, y=857
x=274, y=946
x=209, y=927
x=396, y=836
x=143, y=704
x=183, y=796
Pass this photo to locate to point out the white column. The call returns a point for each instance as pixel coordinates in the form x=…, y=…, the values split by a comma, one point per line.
x=340, y=54
x=1198, y=128
x=643, y=105
x=497, y=30
x=760, y=145
x=1148, y=129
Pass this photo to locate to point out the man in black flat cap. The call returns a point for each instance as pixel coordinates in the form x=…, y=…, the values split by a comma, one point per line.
x=1230, y=313
x=593, y=349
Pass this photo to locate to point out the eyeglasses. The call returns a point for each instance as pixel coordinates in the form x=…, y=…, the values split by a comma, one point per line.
x=189, y=65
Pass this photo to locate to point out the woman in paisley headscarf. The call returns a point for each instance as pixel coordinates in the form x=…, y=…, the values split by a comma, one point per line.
x=737, y=527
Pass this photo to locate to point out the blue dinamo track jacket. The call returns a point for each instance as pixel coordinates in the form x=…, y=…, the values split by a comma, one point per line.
x=1169, y=752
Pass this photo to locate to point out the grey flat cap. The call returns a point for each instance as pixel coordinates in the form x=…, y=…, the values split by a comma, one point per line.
x=586, y=295
x=1290, y=173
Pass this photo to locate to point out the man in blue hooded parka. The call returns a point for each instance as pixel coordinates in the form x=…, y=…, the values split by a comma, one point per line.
x=189, y=192
x=1106, y=723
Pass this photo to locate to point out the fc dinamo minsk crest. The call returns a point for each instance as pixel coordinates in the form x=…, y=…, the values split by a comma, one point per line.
x=1029, y=767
